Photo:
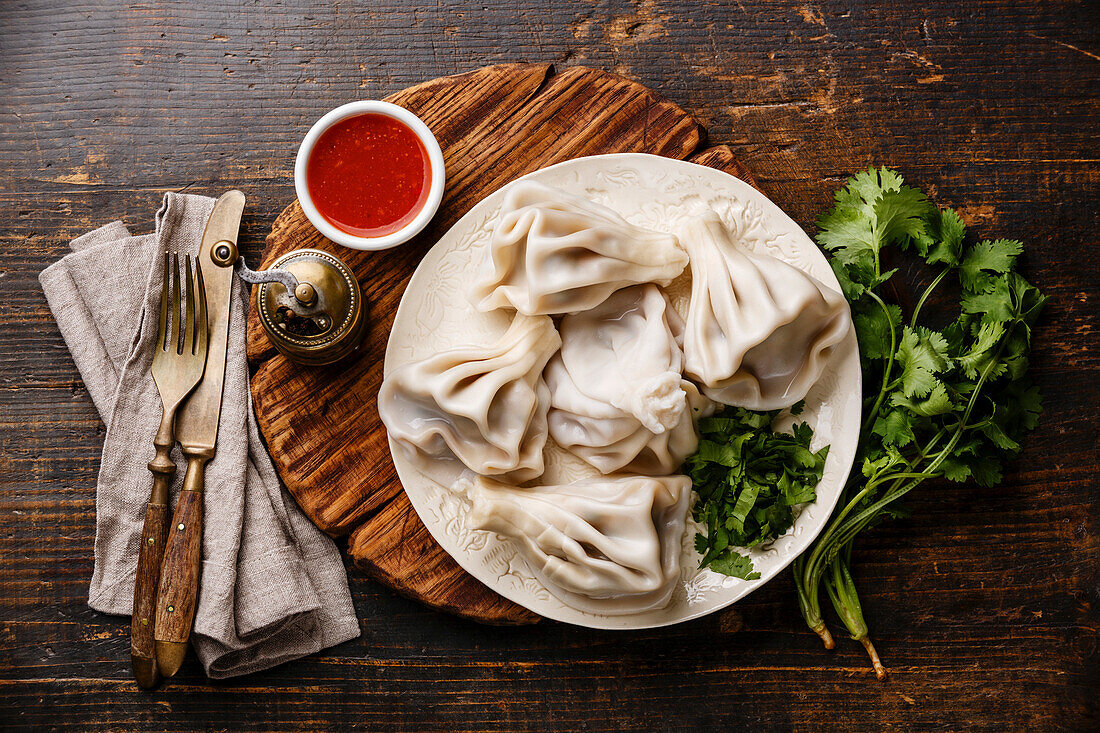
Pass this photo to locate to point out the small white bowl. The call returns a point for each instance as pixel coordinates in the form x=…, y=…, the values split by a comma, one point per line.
x=435, y=190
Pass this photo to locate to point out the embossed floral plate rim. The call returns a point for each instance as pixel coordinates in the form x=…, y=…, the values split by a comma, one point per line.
x=435, y=313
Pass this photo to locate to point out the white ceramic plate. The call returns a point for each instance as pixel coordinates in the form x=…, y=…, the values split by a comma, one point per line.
x=654, y=192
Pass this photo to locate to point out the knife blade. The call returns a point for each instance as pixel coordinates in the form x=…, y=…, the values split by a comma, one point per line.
x=197, y=424
x=197, y=433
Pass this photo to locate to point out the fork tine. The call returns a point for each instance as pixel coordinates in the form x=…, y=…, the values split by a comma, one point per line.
x=201, y=325
x=177, y=321
x=189, y=304
x=162, y=326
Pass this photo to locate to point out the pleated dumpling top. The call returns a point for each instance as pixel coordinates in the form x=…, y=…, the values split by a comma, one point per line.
x=486, y=406
x=608, y=545
x=553, y=252
x=618, y=398
x=759, y=331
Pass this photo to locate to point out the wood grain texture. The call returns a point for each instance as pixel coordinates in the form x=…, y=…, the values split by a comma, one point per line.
x=983, y=604
x=154, y=531
x=394, y=547
x=179, y=571
x=525, y=118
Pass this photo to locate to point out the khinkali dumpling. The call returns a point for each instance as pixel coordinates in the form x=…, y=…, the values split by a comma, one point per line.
x=608, y=545
x=617, y=396
x=485, y=406
x=553, y=252
x=759, y=331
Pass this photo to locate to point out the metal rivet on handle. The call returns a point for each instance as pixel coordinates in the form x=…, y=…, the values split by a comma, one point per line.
x=223, y=253
x=180, y=526
x=171, y=609
x=152, y=540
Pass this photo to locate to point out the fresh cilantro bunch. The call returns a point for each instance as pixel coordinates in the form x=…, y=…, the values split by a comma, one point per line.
x=951, y=403
x=749, y=479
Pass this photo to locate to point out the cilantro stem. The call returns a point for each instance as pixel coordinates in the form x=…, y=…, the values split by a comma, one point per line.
x=842, y=592
x=836, y=541
x=856, y=524
x=887, y=368
x=811, y=609
x=894, y=476
x=924, y=296
x=810, y=569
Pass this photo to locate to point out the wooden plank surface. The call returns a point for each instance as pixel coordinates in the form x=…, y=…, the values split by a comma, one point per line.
x=983, y=604
x=322, y=426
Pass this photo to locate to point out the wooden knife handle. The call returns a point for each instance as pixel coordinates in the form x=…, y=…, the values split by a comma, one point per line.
x=179, y=573
x=150, y=554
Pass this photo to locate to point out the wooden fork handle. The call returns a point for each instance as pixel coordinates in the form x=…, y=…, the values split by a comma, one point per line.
x=179, y=573
x=142, y=651
x=150, y=554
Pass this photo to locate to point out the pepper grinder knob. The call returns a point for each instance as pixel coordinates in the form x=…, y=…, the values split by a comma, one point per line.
x=305, y=293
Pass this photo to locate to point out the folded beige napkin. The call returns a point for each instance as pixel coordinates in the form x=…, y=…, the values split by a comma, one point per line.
x=273, y=586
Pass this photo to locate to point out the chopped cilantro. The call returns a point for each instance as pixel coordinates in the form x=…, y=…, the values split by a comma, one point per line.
x=748, y=480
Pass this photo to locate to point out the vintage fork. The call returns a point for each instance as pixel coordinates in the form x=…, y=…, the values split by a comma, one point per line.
x=178, y=364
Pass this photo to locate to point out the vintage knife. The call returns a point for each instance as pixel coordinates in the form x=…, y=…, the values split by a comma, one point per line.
x=197, y=433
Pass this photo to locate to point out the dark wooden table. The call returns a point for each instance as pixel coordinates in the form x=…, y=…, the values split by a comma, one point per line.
x=983, y=605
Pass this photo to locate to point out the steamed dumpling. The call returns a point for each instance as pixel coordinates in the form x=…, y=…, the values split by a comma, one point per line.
x=485, y=406
x=553, y=252
x=759, y=331
x=608, y=545
x=618, y=399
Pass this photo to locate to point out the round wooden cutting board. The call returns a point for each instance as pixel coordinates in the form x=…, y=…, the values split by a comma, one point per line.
x=321, y=424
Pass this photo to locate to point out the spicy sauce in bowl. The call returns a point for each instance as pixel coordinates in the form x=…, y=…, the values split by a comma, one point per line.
x=369, y=175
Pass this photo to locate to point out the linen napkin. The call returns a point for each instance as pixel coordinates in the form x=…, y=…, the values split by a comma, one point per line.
x=272, y=585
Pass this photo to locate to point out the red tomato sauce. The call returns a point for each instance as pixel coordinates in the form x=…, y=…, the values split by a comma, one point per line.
x=368, y=175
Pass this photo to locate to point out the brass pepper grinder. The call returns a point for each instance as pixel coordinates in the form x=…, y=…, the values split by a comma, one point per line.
x=310, y=305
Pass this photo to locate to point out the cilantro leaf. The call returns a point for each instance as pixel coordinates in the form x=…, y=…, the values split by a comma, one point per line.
x=922, y=354
x=938, y=402
x=955, y=470
x=874, y=208
x=735, y=565
x=998, y=437
x=853, y=282
x=865, y=187
x=997, y=256
x=850, y=238
x=945, y=232
x=988, y=335
x=1029, y=301
x=899, y=215
x=995, y=301
x=986, y=471
x=873, y=330
x=895, y=427
x=1024, y=405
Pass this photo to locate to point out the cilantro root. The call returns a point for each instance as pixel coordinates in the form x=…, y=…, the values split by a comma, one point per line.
x=826, y=637
x=876, y=663
x=951, y=404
